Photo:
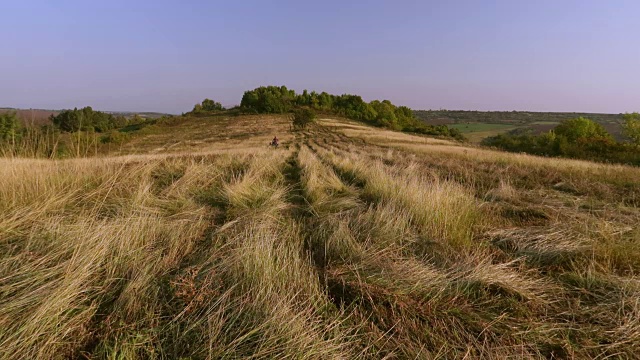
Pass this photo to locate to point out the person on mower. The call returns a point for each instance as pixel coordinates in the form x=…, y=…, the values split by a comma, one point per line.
x=275, y=142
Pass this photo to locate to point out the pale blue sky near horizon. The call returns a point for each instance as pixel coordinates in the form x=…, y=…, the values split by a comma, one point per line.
x=165, y=56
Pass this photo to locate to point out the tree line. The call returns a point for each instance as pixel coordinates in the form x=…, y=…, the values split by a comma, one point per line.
x=579, y=138
x=87, y=119
x=280, y=100
x=70, y=133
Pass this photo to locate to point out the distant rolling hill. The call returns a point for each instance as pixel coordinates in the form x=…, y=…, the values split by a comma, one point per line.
x=41, y=116
x=477, y=125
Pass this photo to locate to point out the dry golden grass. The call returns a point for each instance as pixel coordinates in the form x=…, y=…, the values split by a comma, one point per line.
x=378, y=135
x=221, y=133
x=196, y=240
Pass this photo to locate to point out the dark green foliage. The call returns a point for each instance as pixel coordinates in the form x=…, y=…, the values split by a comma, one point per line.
x=578, y=138
x=207, y=105
x=86, y=119
x=9, y=126
x=274, y=99
x=439, y=130
x=210, y=105
x=632, y=127
x=269, y=100
x=353, y=107
x=581, y=128
x=303, y=117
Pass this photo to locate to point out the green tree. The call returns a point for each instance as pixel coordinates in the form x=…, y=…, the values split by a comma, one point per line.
x=303, y=117
x=9, y=126
x=631, y=127
x=210, y=105
x=85, y=119
x=68, y=120
x=581, y=129
x=269, y=100
x=325, y=101
x=303, y=99
x=314, y=100
x=385, y=114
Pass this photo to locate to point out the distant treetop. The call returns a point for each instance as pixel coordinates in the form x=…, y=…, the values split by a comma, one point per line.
x=87, y=119
x=207, y=105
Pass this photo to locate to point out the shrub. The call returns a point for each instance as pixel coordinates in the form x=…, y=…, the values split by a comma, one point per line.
x=207, y=105
x=114, y=137
x=581, y=128
x=576, y=138
x=86, y=119
x=303, y=117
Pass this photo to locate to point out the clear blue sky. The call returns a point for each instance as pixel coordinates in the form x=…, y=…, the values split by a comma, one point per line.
x=543, y=55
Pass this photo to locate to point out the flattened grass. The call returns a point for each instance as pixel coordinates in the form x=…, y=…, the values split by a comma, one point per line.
x=353, y=242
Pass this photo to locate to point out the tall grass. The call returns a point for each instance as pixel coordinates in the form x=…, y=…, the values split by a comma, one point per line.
x=491, y=280
x=48, y=142
x=332, y=248
x=443, y=210
x=279, y=309
x=84, y=254
x=371, y=266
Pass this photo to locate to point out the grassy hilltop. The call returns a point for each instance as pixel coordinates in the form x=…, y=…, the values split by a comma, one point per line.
x=193, y=239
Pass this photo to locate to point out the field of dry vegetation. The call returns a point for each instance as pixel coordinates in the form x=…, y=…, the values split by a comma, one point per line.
x=198, y=241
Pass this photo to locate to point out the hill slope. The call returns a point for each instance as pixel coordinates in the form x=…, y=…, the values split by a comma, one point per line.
x=198, y=241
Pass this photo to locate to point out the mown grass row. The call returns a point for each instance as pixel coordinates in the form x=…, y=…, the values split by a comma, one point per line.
x=86, y=246
x=258, y=294
x=341, y=250
x=405, y=304
x=539, y=301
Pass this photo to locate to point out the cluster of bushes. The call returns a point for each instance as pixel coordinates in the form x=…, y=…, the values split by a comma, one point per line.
x=279, y=100
x=115, y=137
x=86, y=119
x=207, y=106
x=74, y=132
x=578, y=138
x=269, y=100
